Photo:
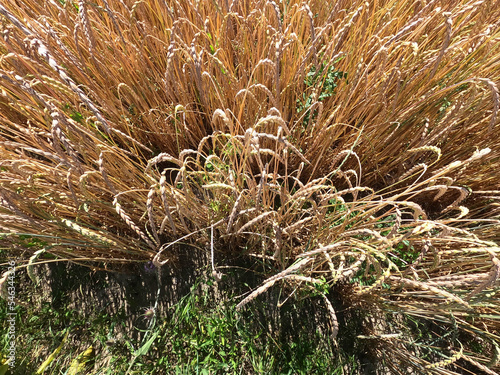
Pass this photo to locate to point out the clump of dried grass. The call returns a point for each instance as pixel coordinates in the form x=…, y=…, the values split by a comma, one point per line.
x=127, y=127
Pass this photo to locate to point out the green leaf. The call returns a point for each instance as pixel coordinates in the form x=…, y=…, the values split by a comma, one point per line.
x=144, y=349
x=51, y=357
x=79, y=363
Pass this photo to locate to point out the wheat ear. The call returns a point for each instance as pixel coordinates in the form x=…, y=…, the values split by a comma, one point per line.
x=88, y=233
x=149, y=207
x=333, y=316
x=480, y=366
x=234, y=213
x=493, y=276
x=496, y=101
x=163, y=191
x=104, y=174
x=255, y=220
x=440, y=292
x=446, y=42
x=272, y=280
x=449, y=361
x=87, y=28
x=131, y=224
x=44, y=52
x=31, y=266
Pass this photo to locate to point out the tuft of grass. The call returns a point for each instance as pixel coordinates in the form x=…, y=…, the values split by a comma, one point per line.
x=196, y=335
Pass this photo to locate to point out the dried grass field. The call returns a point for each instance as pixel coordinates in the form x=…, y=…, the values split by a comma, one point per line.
x=333, y=157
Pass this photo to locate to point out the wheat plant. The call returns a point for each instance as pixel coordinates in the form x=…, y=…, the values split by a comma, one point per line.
x=349, y=145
